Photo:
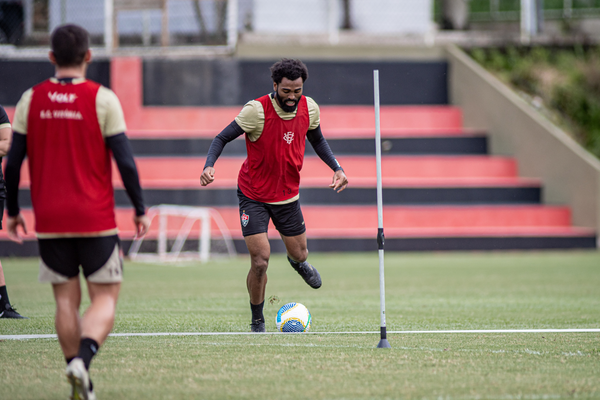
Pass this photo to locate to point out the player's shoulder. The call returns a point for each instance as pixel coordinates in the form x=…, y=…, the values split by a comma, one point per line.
x=106, y=96
x=253, y=107
x=311, y=103
x=26, y=97
x=313, y=107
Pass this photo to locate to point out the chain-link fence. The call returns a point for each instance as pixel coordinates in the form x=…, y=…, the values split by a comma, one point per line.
x=510, y=10
x=114, y=23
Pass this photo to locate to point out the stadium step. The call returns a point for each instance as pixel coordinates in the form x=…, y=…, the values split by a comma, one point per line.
x=396, y=144
x=407, y=180
x=441, y=189
x=426, y=227
x=518, y=193
x=396, y=170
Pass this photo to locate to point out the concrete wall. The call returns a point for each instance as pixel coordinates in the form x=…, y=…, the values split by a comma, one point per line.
x=230, y=81
x=570, y=174
x=20, y=75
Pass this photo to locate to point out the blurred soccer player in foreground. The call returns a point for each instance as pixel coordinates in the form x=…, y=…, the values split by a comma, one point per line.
x=276, y=127
x=67, y=126
x=6, y=309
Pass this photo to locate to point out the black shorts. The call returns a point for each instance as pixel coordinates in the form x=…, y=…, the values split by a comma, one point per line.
x=1, y=210
x=255, y=215
x=99, y=257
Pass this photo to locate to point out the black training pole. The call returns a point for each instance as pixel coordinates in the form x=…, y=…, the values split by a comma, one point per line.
x=383, y=343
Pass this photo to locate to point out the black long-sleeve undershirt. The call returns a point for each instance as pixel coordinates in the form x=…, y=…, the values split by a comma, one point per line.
x=321, y=147
x=122, y=153
x=12, y=172
x=233, y=131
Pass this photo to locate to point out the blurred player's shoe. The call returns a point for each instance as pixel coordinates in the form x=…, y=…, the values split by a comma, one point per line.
x=257, y=326
x=79, y=379
x=307, y=272
x=11, y=312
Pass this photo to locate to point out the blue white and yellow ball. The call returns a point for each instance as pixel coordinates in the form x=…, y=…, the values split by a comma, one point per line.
x=293, y=317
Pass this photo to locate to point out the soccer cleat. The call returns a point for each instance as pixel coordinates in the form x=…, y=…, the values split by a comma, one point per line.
x=257, y=326
x=79, y=378
x=11, y=312
x=309, y=273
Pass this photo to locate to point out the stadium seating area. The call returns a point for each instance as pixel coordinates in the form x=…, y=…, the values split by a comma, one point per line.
x=441, y=188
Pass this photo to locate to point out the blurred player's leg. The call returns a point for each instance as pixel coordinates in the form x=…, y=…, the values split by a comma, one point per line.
x=297, y=253
x=67, y=322
x=260, y=251
x=6, y=309
x=68, y=328
x=79, y=379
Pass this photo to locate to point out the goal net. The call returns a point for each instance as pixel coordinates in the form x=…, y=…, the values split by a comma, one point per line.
x=183, y=233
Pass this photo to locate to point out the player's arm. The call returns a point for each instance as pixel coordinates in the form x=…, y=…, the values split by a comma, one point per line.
x=123, y=155
x=231, y=132
x=5, y=136
x=12, y=175
x=112, y=123
x=5, y=133
x=321, y=147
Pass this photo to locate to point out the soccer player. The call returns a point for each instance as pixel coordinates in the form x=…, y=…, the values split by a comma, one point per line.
x=6, y=309
x=67, y=127
x=276, y=127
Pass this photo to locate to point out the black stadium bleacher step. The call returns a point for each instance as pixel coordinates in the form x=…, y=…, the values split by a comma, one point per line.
x=321, y=196
x=30, y=248
x=435, y=145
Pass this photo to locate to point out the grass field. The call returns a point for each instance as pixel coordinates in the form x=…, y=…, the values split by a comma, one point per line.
x=445, y=291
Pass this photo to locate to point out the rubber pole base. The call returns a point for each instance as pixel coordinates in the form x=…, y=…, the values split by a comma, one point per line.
x=384, y=344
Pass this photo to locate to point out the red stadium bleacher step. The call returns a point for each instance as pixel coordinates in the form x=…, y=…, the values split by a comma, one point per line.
x=173, y=172
x=399, y=221
x=336, y=121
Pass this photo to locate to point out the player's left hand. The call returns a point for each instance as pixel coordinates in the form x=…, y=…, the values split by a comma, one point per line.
x=12, y=225
x=340, y=181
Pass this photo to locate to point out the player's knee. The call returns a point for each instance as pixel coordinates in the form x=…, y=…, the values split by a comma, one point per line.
x=300, y=255
x=259, y=265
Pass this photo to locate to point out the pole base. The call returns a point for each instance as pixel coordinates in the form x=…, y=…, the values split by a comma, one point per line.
x=384, y=344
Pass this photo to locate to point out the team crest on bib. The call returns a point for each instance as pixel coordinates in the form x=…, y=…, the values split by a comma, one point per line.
x=245, y=219
x=288, y=137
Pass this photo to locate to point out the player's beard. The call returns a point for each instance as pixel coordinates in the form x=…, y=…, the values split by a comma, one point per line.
x=284, y=106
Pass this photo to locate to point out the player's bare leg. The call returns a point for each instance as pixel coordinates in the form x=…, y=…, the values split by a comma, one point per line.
x=99, y=318
x=260, y=252
x=67, y=321
x=80, y=338
x=297, y=253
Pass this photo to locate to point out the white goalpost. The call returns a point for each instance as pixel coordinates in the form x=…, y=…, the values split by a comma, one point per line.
x=383, y=342
x=175, y=223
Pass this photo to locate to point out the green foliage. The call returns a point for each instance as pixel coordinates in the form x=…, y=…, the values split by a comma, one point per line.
x=432, y=291
x=567, y=80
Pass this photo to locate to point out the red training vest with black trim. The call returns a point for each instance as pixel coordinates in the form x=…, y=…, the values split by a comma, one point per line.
x=271, y=172
x=69, y=163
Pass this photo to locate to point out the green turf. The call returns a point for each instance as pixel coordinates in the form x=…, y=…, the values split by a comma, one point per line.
x=512, y=290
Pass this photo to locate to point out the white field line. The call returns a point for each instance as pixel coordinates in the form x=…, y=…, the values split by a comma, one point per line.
x=53, y=336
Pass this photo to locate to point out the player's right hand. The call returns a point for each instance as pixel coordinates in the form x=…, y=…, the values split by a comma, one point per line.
x=12, y=225
x=208, y=176
x=142, y=224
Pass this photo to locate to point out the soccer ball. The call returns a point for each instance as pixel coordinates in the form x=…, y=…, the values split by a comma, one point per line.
x=293, y=317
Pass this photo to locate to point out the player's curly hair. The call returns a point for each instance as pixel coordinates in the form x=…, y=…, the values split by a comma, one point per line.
x=288, y=68
x=70, y=44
